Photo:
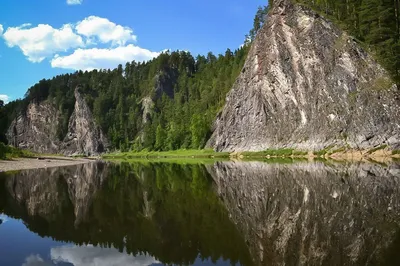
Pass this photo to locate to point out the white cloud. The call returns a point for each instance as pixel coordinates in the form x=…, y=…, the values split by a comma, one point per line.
x=38, y=43
x=6, y=99
x=89, y=256
x=105, y=31
x=1, y=29
x=95, y=58
x=74, y=2
x=92, y=43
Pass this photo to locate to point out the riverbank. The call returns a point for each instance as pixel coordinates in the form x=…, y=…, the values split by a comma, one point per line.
x=379, y=154
x=36, y=163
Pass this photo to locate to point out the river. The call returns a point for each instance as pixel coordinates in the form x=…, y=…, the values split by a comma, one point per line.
x=218, y=213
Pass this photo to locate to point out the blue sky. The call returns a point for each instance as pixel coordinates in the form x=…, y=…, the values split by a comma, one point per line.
x=43, y=38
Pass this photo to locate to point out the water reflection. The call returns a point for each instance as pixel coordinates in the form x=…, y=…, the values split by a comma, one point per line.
x=224, y=213
x=314, y=213
x=135, y=214
x=88, y=256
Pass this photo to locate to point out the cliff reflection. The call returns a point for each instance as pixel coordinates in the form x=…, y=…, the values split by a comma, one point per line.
x=314, y=213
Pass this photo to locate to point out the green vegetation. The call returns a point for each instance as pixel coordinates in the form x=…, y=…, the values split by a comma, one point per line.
x=375, y=24
x=395, y=152
x=278, y=160
x=275, y=153
x=9, y=152
x=207, y=153
x=167, y=211
x=168, y=103
x=322, y=152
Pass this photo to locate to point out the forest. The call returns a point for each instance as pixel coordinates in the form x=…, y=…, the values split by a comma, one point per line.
x=375, y=24
x=170, y=102
x=167, y=103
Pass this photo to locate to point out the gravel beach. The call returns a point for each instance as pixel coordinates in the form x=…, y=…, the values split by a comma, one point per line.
x=35, y=163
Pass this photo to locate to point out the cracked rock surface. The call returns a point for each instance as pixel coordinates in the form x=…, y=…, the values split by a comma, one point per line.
x=307, y=85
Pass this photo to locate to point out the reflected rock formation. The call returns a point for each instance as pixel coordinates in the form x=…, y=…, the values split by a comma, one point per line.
x=314, y=213
x=167, y=212
x=49, y=192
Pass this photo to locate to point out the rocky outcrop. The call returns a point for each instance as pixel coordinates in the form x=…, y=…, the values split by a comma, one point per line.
x=84, y=135
x=307, y=85
x=37, y=130
x=312, y=213
x=164, y=83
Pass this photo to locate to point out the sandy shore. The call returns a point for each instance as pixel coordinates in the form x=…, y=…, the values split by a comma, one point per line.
x=34, y=163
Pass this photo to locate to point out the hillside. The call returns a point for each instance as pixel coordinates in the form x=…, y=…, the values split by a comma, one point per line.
x=167, y=103
x=317, y=74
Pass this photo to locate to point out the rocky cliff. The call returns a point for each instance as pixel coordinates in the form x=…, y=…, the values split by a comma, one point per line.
x=312, y=213
x=36, y=130
x=307, y=85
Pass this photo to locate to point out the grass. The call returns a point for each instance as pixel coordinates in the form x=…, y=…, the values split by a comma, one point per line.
x=176, y=160
x=278, y=160
x=323, y=152
x=193, y=156
x=275, y=153
x=207, y=153
x=9, y=152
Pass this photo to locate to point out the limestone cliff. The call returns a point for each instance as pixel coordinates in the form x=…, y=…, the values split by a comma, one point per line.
x=84, y=135
x=312, y=213
x=307, y=85
x=36, y=130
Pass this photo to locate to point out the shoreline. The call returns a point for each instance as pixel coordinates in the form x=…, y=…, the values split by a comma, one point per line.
x=351, y=155
x=27, y=163
x=17, y=164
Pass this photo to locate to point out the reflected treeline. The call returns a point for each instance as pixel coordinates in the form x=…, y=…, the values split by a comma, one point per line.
x=314, y=213
x=169, y=211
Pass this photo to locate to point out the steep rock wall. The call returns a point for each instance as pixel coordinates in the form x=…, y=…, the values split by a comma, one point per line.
x=84, y=135
x=36, y=130
x=307, y=85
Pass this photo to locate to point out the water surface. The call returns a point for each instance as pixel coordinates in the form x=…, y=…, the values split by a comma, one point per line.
x=224, y=213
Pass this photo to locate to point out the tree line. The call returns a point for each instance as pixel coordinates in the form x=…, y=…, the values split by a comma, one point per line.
x=167, y=103
x=171, y=101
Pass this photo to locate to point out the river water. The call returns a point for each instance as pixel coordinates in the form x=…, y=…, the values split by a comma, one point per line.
x=219, y=213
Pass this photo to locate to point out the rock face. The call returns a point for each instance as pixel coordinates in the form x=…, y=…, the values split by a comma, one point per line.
x=313, y=214
x=307, y=85
x=84, y=135
x=36, y=130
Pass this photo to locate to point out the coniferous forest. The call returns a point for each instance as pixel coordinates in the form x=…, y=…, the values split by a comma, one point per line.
x=375, y=24
x=171, y=101
x=167, y=103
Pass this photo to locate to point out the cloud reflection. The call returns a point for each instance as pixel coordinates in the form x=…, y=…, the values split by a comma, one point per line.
x=3, y=218
x=35, y=260
x=90, y=255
